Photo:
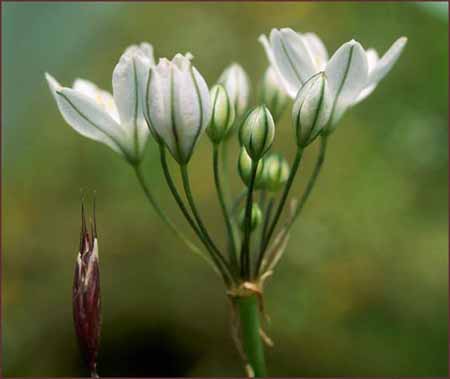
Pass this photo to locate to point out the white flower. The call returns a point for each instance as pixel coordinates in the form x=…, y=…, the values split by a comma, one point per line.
x=177, y=106
x=117, y=120
x=236, y=83
x=352, y=72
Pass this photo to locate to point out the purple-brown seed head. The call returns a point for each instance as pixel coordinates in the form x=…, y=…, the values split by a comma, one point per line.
x=86, y=294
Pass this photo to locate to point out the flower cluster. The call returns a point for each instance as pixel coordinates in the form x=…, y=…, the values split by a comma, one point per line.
x=171, y=101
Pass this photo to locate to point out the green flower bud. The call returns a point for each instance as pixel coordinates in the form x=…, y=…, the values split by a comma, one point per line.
x=272, y=94
x=275, y=172
x=257, y=132
x=245, y=168
x=256, y=218
x=222, y=116
x=312, y=109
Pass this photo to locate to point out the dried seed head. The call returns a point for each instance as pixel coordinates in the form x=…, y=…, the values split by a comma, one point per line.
x=86, y=299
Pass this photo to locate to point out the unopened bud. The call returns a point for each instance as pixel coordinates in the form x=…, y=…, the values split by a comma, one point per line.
x=256, y=218
x=272, y=94
x=312, y=109
x=86, y=300
x=245, y=168
x=257, y=132
x=275, y=172
x=222, y=117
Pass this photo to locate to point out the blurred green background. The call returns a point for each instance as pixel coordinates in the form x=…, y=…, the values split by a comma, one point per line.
x=362, y=288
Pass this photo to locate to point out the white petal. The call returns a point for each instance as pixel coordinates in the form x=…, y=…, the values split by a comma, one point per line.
x=372, y=59
x=237, y=85
x=317, y=49
x=365, y=93
x=387, y=61
x=183, y=62
x=85, y=116
x=143, y=50
x=103, y=98
x=347, y=73
x=379, y=68
x=269, y=53
x=147, y=50
x=188, y=112
x=158, y=101
x=293, y=58
x=86, y=87
x=126, y=96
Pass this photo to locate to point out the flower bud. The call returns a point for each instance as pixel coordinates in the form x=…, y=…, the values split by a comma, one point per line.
x=237, y=85
x=256, y=218
x=245, y=168
x=222, y=117
x=275, y=172
x=86, y=301
x=176, y=105
x=257, y=132
x=312, y=109
x=272, y=94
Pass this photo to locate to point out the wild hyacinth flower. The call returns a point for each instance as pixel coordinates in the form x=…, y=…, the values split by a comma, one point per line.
x=86, y=299
x=237, y=84
x=176, y=105
x=296, y=57
x=115, y=120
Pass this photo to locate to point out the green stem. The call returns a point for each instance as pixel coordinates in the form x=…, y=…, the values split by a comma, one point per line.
x=201, y=226
x=312, y=180
x=163, y=216
x=267, y=214
x=217, y=264
x=245, y=249
x=251, y=339
x=224, y=158
x=237, y=201
x=225, y=211
x=295, y=166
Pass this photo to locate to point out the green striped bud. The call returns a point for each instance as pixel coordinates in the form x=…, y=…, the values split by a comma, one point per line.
x=312, y=109
x=245, y=168
x=275, y=172
x=257, y=132
x=272, y=94
x=256, y=218
x=222, y=114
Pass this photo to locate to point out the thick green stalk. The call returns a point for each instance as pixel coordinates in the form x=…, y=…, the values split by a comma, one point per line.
x=245, y=249
x=225, y=210
x=251, y=340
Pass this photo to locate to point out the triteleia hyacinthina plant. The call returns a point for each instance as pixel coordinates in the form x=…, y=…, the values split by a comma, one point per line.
x=171, y=102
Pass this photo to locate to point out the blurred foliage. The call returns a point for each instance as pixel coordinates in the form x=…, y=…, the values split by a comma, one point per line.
x=362, y=289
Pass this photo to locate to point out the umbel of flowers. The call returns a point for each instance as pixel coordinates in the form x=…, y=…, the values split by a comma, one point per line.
x=171, y=102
